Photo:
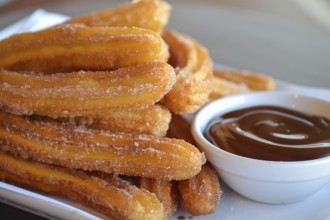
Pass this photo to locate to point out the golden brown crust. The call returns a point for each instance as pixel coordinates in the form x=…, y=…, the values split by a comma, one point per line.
x=193, y=67
x=71, y=47
x=112, y=196
x=165, y=190
x=148, y=14
x=153, y=120
x=101, y=84
x=179, y=128
x=85, y=93
x=222, y=87
x=229, y=82
x=253, y=80
x=200, y=195
x=75, y=147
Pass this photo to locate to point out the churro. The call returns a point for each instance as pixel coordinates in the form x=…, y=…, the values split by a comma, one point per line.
x=229, y=82
x=200, y=195
x=85, y=92
x=165, y=190
x=111, y=196
x=179, y=128
x=71, y=47
x=153, y=120
x=89, y=101
x=252, y=80
x=148, y=14
x=222, y=87
x=76, y=147
x=194, y=72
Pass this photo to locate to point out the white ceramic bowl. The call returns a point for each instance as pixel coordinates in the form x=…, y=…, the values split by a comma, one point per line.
x=264, y=181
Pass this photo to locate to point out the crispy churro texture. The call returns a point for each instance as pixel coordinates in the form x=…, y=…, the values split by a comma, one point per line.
x=148, y=14
x=75, y=147
x=222, y=87
x=87, y=101
x=165, y=190
x=253, y=80
x=92, y=98
x=84, y=92
x=194, y=71
x=111, y=195
x=153, y=120
x=229, y=82
x=71, y=47
x=200, y=195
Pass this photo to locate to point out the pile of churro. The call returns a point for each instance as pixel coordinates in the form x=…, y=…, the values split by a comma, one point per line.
x=90, y=110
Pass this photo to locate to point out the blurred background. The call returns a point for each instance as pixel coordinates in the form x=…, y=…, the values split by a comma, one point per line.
x=314, y=14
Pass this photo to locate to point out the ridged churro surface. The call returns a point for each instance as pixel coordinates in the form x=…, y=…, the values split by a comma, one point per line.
x=165, y=190
x=148, y=14
x=253, y=80
x=222, y=87
x=71, y=47
x=193, y=67
x=85, y=92
x=76, y=147
x=94, y=105
x=200, y=195
x=153, y=120
x=229, y=82
x=112, y=195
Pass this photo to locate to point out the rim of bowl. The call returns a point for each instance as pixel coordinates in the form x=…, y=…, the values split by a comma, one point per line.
x=198, y=135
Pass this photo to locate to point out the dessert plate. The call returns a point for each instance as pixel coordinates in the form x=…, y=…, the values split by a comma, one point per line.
x=232, y=206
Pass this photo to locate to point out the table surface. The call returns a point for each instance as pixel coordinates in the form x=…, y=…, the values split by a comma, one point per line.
x=235, y=38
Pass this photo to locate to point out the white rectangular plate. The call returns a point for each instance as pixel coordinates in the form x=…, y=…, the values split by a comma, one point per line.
x=232, y=206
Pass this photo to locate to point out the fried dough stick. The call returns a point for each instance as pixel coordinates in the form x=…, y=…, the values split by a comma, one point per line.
x=113, y=197
x=254, y=81
x=200, y=194
x=165, y=190
x=153, y=120
x=229, y=82
x=85, y=92
x=75, y=147
x=148, y=14
x=179, y=128
x=194, y=72
x=71, y=47
x=222, y=87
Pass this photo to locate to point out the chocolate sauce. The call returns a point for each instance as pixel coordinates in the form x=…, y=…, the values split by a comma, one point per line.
x=271, y=133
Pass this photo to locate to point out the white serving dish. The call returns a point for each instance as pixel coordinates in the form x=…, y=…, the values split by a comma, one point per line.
x=232, y=206
x=273, y=182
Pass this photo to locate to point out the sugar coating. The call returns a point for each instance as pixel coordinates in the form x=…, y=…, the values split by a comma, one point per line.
x=78, y=147
x=64, y=94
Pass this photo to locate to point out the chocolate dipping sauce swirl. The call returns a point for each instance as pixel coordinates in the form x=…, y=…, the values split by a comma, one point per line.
x=271, y=133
